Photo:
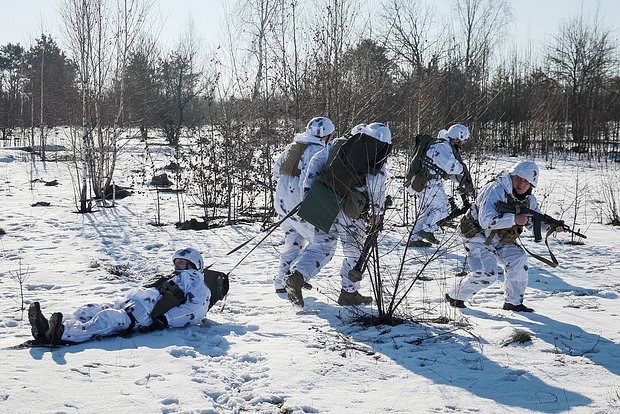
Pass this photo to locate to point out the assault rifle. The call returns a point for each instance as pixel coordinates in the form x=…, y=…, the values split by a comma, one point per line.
x=355, y=274
x=537, y=219
x=455, y=210
x=466, y=185
x=466, y=189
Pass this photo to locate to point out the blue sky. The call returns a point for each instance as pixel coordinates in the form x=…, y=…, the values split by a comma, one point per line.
x=533, y=19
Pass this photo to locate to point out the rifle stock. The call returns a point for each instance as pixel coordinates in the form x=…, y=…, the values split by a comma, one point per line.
x=355, y=274
x=455, y=211
x=537, y=219
x=466, y=185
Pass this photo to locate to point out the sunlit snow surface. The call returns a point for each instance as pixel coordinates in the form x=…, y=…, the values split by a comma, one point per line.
x=257, y=353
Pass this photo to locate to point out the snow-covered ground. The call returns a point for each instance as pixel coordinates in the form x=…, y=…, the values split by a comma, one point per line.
x=257, y=353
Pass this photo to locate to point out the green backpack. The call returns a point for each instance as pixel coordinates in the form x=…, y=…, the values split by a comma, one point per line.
x=416, y=176
x=351, y=159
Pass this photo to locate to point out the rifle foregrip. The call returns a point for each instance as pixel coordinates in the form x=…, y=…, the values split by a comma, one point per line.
x=537, y=228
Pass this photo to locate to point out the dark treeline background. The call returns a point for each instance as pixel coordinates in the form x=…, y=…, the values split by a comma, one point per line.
x=227, y=111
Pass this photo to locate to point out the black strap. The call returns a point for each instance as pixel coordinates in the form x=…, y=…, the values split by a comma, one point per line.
x=434, y=171
x=132, y=324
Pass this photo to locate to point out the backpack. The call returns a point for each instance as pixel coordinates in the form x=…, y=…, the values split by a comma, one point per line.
x=351, y=159
x=422, y=143
x=218, y=284
x=290, y=161
x=416, y=175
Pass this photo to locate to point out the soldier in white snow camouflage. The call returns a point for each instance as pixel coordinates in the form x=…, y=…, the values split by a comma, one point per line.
x=289, y=170
x=350, y=231
x=490, y=237
x=439, y=163
x=144, y=309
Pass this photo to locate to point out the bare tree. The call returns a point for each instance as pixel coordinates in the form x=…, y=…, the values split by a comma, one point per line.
x=581, y=57
x=610, y=193
x=130, y=20
x=334, y=33
x=80, y=20
x=479, y=25
x=89, y=25
x=407, y=27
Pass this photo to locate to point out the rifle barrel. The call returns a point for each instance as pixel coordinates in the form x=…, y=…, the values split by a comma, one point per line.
x=504, y=207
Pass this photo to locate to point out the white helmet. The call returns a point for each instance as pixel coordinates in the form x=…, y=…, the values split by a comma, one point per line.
x=359, y=128
x=527, y=170
x=443, y=134
x=191, y=255
x=459, y=132
x=380, y=131
x=320, y=127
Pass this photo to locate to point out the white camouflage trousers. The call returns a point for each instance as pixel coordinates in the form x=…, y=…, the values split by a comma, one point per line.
x=296, y=235
x=318, y=253
x=433, y=205
x=99, y=320
x=483, y=260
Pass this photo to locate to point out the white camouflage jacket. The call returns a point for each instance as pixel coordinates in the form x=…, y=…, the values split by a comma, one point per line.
x=289, y=190
x=197, y=296
x=442, y=156
x=484, y=209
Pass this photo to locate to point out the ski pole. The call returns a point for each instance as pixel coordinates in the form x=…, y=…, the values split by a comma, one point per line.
x=269, y=230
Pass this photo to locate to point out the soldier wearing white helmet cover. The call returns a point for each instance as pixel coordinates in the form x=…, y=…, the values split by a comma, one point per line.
x=441, y=161
x=289, y=170
x=180, y=300
x=490, y=238
x=350, y=230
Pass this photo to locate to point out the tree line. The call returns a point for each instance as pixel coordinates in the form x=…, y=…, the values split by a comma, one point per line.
x=281, y=62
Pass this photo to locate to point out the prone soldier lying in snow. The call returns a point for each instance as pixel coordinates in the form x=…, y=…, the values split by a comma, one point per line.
x=178, y=300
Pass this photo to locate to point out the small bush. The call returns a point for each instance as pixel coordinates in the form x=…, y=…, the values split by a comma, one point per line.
x=2, y=232
x=119, y=270
x=519, y=337
x=614, y=398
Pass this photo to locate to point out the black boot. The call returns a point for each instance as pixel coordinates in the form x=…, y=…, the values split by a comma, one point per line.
x=419, y=243
x=306, y=286
x=428, y=236
x=38, y=324
x=294, y=282
x=54, y=334
x=455, y=303
x=517, y=308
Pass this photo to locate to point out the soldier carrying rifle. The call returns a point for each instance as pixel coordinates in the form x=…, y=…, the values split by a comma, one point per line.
x=435, y=161
x=490, y=236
